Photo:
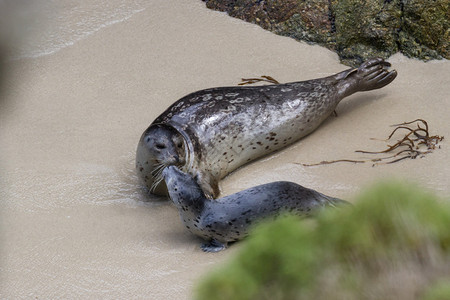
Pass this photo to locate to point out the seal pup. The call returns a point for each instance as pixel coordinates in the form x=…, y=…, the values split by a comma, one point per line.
x=228, y=219
x=223, y=128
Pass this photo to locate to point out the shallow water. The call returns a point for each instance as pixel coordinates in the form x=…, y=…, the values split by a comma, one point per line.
x=51, y=25
x=74, y=221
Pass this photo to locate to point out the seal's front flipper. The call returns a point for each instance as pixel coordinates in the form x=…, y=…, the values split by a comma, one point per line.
x=213, y=246
x=209, y=186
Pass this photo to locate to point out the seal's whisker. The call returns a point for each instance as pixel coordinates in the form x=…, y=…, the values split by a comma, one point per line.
x=158, y=169
x=157, y=165
x=157, y=175
x=156, y=183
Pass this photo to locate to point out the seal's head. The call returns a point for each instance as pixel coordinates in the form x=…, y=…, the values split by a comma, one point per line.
x=183, y=188
x=159, y=146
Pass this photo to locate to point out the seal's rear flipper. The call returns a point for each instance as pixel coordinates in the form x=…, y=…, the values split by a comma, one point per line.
x=213, y=246
x=375, y=74
x=371, y=75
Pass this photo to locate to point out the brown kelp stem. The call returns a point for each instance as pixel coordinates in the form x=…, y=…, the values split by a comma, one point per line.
x=413, y=141
x=264, y=78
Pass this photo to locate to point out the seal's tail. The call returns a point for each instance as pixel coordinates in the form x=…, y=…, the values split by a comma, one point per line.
x=372, y=74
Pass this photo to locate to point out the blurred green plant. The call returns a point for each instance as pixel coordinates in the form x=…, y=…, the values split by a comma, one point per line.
x=438, y=291
x=394, y=243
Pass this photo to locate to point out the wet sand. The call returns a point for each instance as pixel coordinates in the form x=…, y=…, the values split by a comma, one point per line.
x=74, y=221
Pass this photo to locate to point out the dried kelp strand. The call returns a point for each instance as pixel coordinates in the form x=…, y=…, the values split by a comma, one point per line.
x=270, y=79
x=332, y=162
x=416, y=120
x=413, y=139
x=263, y=78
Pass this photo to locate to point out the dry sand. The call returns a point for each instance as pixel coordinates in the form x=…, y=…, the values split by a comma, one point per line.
x=74, y=222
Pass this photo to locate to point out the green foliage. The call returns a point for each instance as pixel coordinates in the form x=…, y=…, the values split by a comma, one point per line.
x=388, y=218
x=392, y=244
x=438, y=291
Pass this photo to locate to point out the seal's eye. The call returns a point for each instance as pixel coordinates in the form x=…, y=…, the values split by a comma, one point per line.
x=160, y=146
x=180, y=145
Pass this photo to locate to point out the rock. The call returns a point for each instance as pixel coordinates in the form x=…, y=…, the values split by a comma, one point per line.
x=311, y=22
x=355, y=29
x=425, y=30
x=365, y=29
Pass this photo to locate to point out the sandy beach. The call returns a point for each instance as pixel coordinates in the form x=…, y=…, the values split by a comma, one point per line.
x=75, y=224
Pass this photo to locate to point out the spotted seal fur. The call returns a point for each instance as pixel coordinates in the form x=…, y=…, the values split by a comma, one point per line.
x=228, y=219
x=212, y=132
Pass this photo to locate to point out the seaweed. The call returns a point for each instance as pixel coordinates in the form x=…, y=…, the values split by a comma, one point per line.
x=417, y=142
x=263, y=78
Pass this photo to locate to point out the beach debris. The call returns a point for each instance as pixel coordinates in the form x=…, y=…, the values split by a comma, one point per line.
x=263, y=78
x=416, y=142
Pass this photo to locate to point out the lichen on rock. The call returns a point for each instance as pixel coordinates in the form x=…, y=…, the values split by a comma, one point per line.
x=425, y=30
x=365, y=29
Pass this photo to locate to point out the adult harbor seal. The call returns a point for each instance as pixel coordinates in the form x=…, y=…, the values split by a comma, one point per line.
x=212, y=132
x=228, y=219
